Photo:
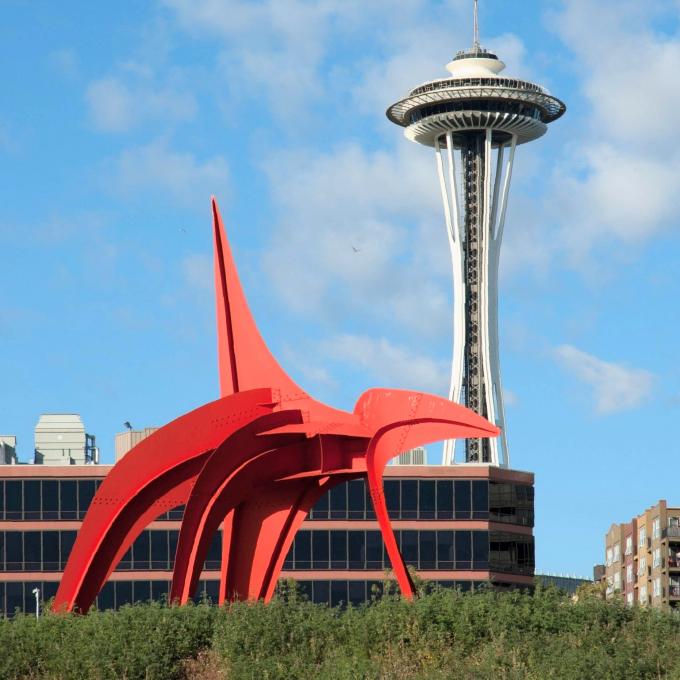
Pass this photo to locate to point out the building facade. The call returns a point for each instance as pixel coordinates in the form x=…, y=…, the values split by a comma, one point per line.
x=459, y=526
x=642, y=558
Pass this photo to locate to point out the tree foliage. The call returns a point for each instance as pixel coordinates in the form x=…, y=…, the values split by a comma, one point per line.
x=443, y=634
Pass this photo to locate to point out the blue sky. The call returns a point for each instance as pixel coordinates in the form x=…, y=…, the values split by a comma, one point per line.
x=118, y=120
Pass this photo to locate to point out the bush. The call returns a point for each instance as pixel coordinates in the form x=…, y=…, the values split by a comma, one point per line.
x=443, y=634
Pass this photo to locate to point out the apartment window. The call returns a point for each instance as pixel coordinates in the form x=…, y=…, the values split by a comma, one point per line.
x=642, y=538
x=610, y=554
x=656, y=558
x=630, y=599
x=629, y=545
x=642, y=567
x=642, y=598
x=656, y=527
x=617, y=552
x=629, y=573
x=657, y=587
x=617, y=580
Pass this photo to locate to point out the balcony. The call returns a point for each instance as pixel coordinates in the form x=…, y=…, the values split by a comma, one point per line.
x=674, y=592
x=674, y=562
x=672, y=532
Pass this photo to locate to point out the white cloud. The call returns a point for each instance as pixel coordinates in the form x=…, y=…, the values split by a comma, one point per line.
x=363, y=232
x=390, y=364
x=179, y=175
x=116, y=106
x=615, y=387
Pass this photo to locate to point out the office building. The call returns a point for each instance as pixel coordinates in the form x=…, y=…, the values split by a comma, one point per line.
x=459, y=526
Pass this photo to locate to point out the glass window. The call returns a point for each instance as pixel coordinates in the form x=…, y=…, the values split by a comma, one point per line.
x=142, y=591
x=289, y=562
x=31, y=499
x=50, y=549
x=338, y=550
x=320, y=509
x=370, y=512
x=123, y=593
x=463, y=549
x=176, y=514
x=338, y=496
x=338, y=593
x=213, y=559
x=463, y=499
x=319, y=549
x=13, y=494
x=357, y=592
x=50, y=499
x=409, y=499
x=159, y=590
x=321, y=592
x=106, y=597
x=480, y=549
x=303, y=550
x=445, y=549
x=173, y=536
x=374, y=549
x=356, y=549
x=480, y=499
x=426, y=493
x=67, y=539
x=409, y=547
x=86, y=492
x=392, y=497
x=159, y=549
x=428, y=550
x=15, y=596
x=444, y=499
x=355, y=499
x=212, y=591
x=14, y=551
x=32, y=551
x=69, y=499
x=140, y=551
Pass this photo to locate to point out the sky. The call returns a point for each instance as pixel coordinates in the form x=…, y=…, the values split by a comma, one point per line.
x=119, y=120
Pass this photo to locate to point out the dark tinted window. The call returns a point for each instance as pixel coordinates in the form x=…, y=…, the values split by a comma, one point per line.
x=339, y=502
x=444, y=499
x=392, y=497
x=32, y=499
x=159, y=549
x=69, y=499
x=50, y=541
x=338, y=550
x=409, y=499
x=50, y=499
x=480, y=549
x=355, y=499
x=374, y=549
x=428, y=550
x=142, y=591
x=319, y=550
x=303, y=550
x=356, y=549
x=214, y=557
x=463, y=550
x=140, y=551
x=123, y=593
x=13, y=495
x=480, y=499
x=86, y=490
x=409, y=547
x=14, y=551
x=427, y=499
x=32, y=551
x=445, y=549
x=463, y=499
x=320, y=509
x=67, y=539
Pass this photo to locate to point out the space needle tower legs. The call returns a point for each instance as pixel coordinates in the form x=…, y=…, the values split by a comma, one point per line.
x=475, y=119
x=474, y=242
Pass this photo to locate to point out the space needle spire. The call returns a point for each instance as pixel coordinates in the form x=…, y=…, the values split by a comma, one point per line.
x=475, y=118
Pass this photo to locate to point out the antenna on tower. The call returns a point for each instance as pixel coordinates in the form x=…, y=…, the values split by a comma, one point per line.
x=475, y=40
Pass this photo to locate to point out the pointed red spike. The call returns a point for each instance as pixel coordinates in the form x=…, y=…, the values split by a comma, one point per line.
x=244, y=360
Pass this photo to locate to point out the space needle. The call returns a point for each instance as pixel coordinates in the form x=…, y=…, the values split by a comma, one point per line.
x=474, y=118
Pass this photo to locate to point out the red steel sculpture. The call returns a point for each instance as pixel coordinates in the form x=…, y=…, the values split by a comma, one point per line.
x=254, y=461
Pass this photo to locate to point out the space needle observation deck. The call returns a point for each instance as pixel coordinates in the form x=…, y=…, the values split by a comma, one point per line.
x=475, y=118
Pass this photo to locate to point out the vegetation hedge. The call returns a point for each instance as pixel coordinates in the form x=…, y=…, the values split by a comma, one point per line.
x=444, y=634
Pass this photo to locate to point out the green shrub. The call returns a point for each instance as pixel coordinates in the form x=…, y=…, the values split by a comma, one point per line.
x=443, y=634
